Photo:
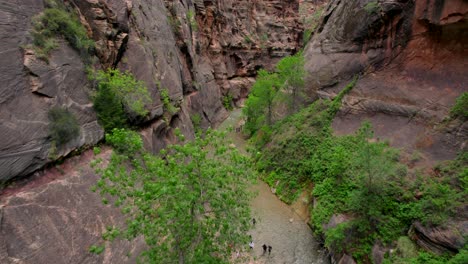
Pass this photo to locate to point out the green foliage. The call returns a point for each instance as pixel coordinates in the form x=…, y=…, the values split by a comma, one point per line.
x=300, y=145
x=168, y=106
x=270, y=90
x=247, y=39
x=96, y=150
x=63, y=125
x=56, y=21
x=191, y=203
x=191, y=20
x=196, y=121
x=125, y=141
x=460, y=109
x=120, y=99
x=111, y=233
x=259, y=106
x=355, y=175
x=227, y=102
x=372, y=7
x=291, y=75
x=96, y=249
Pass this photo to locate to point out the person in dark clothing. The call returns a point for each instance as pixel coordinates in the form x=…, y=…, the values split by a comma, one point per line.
x=264, y=249
x=269, y=250
x=254, y=221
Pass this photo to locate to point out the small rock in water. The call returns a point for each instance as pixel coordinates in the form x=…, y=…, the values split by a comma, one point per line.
x=291, y=220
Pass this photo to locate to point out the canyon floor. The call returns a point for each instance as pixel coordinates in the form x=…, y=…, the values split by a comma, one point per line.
x=279, y=225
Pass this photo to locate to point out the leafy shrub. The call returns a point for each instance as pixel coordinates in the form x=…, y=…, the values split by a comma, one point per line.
x=460, y=109
x=192, y=21
x=168, y=106
x=63, y=125
x=196, y=120
x=56, y=21
x=227, y=102
x=125, y=141
x=120, y=99
x=96, y=249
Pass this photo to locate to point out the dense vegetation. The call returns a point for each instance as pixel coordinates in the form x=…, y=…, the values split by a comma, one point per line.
x=272, y=90
x=356, y=176
x=190, y=202
x=460, y=109
x=56, y=21
x=119, y=99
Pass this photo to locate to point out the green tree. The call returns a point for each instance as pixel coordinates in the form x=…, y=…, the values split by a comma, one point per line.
x=259, y=105
x=291, y=75
x=191, y=203
x=374, y=166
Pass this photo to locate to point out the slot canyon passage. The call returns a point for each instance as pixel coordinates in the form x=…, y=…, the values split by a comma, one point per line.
x=348, y=141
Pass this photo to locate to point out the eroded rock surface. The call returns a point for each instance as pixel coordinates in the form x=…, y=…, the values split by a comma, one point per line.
x=56, y=219
x=413, y=58
x=447, y=239
x=30, y=87
x=200, y=51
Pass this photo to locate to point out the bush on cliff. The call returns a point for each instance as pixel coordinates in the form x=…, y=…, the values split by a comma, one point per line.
x=119, y=99
x=57, y=21
x=63, y=125
x=460, y=109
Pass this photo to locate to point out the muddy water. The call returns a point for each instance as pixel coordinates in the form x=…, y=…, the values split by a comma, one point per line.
x=277, y=224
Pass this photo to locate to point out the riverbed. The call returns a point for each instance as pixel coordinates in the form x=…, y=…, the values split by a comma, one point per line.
x=277, y=224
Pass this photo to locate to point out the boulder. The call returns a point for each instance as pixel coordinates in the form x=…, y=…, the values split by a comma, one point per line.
x=449, y=238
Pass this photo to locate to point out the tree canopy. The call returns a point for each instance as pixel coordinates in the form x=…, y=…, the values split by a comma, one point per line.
x=191, y=202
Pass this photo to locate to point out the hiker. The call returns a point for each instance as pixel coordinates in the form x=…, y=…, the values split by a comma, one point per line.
x=269, y=250
x=254, y=221
x=251, y=245
x=264, y=249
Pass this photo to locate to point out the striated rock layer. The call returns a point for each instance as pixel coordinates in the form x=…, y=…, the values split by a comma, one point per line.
x=412, y=56
x=412, y=59
x=200, y=51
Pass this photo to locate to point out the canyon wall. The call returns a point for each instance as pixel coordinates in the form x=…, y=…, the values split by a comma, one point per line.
x=412, y=56
x=200, y=51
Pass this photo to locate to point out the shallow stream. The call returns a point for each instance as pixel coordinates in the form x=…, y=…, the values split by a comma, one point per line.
x=277, y=224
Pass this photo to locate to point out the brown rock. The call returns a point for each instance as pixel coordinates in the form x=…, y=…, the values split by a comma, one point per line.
x=346, y=259
x=438, y=239
x=413, y=64
x=57, y=221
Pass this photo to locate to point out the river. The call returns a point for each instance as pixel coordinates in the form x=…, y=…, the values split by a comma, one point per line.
x=277, y=224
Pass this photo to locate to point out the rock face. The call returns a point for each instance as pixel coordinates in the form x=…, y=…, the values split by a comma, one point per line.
x=200, y=51
x=30, y=88
x=56, y=219
x=441, y=240
x=413, y=58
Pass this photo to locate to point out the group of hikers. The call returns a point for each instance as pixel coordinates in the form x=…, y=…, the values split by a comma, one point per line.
x=265, y=247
